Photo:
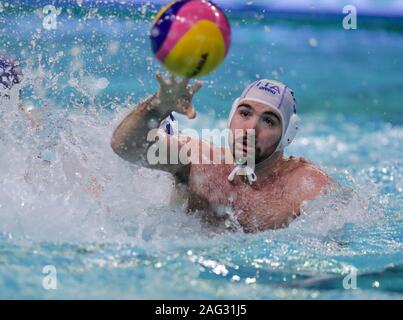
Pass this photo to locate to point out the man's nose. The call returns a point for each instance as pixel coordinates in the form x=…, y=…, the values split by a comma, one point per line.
x=255, y=124
x=251, y=128
x=252, y=124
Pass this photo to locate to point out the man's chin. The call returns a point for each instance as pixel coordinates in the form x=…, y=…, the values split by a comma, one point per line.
x=261, y=157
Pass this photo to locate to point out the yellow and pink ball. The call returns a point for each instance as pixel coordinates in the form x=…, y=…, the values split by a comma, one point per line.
x=190, y=38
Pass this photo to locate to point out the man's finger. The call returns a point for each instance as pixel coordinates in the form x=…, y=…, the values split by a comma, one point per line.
x=172, y=77
x=191, y=112
x=160, y=79
x=196, y=87
x=185, y=107
x=184, y=82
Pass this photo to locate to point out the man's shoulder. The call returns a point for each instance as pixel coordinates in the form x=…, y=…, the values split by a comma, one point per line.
x=307, y=179
x=303, y=167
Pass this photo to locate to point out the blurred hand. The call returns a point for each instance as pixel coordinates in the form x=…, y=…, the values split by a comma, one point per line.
x=176, y=95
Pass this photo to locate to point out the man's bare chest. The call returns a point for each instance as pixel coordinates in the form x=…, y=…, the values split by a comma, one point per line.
x=210, y=190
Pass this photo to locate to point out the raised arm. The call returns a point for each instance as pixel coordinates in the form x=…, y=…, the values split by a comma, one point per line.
x=129, y=140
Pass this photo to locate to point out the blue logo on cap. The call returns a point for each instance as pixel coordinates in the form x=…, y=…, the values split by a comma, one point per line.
x=269, y=87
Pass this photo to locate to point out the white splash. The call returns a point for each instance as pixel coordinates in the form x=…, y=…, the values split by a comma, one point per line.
x=65, y=183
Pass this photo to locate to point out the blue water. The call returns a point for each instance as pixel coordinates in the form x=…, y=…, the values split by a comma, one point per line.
x=107, y=226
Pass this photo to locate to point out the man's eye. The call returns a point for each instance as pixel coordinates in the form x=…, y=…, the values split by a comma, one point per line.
x=269, y=121
x=244, y=113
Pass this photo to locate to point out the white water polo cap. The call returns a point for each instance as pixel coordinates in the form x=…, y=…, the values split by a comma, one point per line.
x=275, y=95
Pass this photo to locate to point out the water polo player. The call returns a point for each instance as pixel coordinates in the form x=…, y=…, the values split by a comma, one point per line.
x=266, y=196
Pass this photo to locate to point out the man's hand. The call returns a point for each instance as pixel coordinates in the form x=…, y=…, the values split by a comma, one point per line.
x=129, y=140
x=177, y=95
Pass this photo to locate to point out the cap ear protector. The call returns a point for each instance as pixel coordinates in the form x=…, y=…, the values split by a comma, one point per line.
x=291, y=132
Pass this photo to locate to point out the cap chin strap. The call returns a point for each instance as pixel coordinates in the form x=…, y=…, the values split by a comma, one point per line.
x=243, y=169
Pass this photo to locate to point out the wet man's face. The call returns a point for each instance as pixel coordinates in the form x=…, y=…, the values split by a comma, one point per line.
x=266, y=123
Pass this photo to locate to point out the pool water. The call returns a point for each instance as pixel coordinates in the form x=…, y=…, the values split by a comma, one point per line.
x=108, y=228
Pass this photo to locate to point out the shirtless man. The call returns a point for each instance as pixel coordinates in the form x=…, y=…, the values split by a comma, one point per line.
x=268, y=196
